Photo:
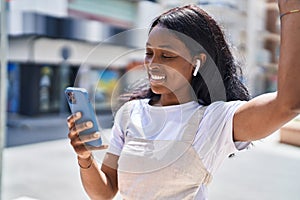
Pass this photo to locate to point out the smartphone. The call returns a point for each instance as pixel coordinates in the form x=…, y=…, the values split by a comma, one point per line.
x=79, y=101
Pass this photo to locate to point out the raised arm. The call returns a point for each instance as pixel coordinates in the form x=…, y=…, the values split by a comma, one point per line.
x=265, y=114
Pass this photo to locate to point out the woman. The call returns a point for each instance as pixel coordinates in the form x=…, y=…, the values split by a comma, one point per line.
x=169, y=143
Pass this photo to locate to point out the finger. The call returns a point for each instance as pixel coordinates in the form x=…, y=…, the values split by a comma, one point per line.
x=83, y=150
x=76, y=141
x=93, y=148
x=73, y=133
x=77, y=128
x=73, y=118
x=90, y=137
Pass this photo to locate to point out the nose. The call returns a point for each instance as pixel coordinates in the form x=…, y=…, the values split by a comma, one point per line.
x=148, y=60
x=151, y=62
x=152, y=66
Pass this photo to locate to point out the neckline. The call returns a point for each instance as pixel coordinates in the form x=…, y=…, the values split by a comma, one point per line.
x=189, y=104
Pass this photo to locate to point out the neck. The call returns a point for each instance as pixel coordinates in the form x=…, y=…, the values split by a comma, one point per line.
x=172, y=99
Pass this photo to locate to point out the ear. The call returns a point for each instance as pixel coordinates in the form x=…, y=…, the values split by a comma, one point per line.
x=201, y=57
x=197, y=67
x=198, y=62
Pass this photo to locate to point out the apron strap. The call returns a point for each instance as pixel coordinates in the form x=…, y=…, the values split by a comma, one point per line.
x=192, y=127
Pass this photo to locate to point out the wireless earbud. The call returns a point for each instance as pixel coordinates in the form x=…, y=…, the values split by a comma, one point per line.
x=197, y=67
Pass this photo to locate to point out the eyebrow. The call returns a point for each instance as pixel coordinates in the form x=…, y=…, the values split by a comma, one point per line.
x=166, y=46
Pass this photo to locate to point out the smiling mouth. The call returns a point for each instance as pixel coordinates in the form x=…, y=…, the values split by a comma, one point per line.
x=157, y=77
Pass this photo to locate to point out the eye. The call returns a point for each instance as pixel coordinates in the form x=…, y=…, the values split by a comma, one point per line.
x=168, y=56
x=148, y=53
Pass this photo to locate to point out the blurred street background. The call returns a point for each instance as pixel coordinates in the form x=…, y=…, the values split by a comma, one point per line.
x=99, y=45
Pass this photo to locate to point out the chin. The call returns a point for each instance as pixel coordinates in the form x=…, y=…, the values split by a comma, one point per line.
x=159, y=90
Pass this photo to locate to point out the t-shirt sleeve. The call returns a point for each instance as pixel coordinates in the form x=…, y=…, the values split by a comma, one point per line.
x=116, y=141
x=118, y=130
x=217, y=124
x=215, y=142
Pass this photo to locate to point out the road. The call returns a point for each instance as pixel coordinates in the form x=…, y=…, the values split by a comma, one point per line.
x=23, y=130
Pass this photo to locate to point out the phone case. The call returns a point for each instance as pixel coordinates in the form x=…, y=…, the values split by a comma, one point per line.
x=79, y=101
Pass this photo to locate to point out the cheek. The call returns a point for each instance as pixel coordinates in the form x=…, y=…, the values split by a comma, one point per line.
x=177, y=79
x=184, y=72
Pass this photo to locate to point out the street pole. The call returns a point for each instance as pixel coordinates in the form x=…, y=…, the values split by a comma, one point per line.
x=256, y=9
x=251, y=44
x=3, y=90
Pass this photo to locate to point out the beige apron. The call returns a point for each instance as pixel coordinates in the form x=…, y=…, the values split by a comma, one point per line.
x=161, y=169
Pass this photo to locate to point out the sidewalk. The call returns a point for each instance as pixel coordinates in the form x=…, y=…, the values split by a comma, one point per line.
x=38, y=162
x=42, y=171
x=49, y=170
x=268, y=171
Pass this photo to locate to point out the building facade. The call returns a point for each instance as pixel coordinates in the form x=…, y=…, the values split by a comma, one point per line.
x=92, y=44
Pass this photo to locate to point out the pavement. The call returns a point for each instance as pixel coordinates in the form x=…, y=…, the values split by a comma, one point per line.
x=45, y=168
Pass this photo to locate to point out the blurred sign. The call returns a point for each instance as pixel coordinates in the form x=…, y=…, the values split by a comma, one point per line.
x=116, y=12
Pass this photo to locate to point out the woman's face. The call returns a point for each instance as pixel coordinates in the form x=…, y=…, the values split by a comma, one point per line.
x=168, y=62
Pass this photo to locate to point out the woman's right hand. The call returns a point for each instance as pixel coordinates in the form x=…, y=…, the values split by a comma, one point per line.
x=78, y=142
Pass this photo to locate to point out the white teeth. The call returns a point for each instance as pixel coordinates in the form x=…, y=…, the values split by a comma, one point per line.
x=156, y=77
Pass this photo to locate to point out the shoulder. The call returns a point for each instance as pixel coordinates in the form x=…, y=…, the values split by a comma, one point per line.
x=218, y=115
x=214, y=140
x=128, y=107
x=223, y=108
x=217, y=123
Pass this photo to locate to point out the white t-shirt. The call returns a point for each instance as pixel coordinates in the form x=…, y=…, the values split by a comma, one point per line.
x=213, y=141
